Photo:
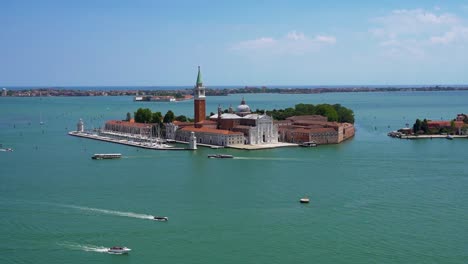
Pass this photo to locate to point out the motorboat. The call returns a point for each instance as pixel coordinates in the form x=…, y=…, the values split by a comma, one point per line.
x=107, y=156
x=161, y=218
x=449, y=137
x=308, y=144
x=304, y=200
x=119, y=250
x=6, y=149
x=220, y=156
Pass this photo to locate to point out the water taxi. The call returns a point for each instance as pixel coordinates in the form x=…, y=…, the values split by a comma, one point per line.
x=161, y=218
x=119, y=250
x=6, y=149
x=107, y=156
x=220, y=156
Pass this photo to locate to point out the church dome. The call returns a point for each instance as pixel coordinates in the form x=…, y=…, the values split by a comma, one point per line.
x=243, y=107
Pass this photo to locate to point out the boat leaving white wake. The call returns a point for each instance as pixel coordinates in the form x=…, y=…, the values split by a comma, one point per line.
x=112, y=212
x=89, y=248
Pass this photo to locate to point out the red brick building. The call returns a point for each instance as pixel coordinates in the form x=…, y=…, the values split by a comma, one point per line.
x=313, y=128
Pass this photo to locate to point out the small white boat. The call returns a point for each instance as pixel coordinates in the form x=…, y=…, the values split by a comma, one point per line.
x=304, y=200
x=6, y=149
x=449, y=137
x=308, y=144
x=220, y=156
x=161, y=218
x=119, y=250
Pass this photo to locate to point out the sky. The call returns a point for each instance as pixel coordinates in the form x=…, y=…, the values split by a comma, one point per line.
x=161, y=43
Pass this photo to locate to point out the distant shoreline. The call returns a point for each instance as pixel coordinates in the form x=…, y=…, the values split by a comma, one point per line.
x=36, y=92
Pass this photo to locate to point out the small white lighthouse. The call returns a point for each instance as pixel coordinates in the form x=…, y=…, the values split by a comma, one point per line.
x=192, y=141
x=80, y=126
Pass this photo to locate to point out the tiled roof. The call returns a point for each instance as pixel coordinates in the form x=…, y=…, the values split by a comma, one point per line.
x=210, y=130
x=226, y=116
x=128, y=124
x=313, y=130
x=443, y=123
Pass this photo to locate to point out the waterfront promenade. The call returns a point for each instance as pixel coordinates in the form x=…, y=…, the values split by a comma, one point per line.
x=430, y=136
x=128, y=142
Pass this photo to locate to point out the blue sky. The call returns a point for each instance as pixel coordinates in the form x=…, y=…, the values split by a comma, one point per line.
x=158, y=43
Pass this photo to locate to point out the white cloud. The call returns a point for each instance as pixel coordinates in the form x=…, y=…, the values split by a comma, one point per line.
x=292, y=43
x=259, y=43
x=325, y=39
x=456, y=34
x=295, y=35
x=410, y=32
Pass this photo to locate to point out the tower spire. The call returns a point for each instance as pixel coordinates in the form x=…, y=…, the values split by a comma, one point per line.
x=199, y=78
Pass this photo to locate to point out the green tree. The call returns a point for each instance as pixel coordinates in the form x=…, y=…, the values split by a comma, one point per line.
x=417, y=126
x=181, y=118
x=328, y=111
x=129, y=117
x=425, y=126
x=452, y=126
x=143, y=115
x=344, y=114
x=156, y=118
x=169, y=117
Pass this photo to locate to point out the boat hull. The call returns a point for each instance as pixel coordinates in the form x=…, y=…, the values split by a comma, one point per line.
x=115, y=250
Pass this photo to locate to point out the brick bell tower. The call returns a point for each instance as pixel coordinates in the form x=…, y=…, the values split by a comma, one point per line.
x=199, y=100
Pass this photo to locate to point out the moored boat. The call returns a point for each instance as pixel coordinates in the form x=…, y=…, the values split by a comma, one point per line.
x=107, y=156
x=308, y=144
x=119, y=250
x=449, y=137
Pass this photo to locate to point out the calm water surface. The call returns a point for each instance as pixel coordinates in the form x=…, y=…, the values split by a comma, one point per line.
x=374, y=199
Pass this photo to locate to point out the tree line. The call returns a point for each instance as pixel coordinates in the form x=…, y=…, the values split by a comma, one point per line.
x=334, y=113
x=145, y=115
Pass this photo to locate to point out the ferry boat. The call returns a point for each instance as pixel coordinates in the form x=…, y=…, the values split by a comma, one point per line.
x=119, y=250
x=107, y=156
x=220, y=156
x=161, y=218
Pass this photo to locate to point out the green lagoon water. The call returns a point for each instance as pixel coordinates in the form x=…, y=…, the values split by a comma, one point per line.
x=374, y=199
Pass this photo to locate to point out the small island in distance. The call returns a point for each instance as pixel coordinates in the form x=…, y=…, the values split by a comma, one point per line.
x=457, y=127
x=185, y=92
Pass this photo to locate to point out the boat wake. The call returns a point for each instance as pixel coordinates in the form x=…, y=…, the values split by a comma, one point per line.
x=88, y=248
x=111, y=212
x=266, y=158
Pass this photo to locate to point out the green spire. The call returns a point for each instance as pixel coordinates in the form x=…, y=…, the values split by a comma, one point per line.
x=199, y=79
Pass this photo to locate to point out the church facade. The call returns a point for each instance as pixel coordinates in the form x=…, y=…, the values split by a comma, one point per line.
x=224, y=129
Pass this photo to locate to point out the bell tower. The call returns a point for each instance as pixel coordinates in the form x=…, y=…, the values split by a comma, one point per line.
x=199, y=99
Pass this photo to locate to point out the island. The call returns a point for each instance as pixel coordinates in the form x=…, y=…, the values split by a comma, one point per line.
x=147, y=93
x=241, y=128
x=455, y=128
